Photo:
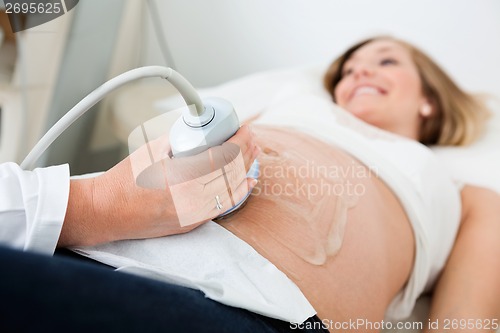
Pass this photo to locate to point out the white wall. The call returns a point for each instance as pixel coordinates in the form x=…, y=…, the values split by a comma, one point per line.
x=34, y=77
x=84, y=65
x=213, y=41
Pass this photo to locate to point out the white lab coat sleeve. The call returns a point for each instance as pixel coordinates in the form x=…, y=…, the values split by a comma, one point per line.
x=32, y=206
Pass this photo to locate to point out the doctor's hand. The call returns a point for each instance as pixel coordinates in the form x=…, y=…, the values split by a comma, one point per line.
x=149, y=194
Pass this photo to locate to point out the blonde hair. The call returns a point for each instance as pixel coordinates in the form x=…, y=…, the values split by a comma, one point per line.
x=458, y=118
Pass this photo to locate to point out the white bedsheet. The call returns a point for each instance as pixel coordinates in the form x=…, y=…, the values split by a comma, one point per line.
x=212, y=260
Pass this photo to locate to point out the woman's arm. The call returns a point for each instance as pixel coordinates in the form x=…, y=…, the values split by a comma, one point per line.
x=467, y=295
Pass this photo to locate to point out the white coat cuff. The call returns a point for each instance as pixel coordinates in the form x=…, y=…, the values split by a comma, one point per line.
x=48, y=216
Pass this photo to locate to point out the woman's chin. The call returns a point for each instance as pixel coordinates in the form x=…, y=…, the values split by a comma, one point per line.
x=367, y=117
x=362, y=113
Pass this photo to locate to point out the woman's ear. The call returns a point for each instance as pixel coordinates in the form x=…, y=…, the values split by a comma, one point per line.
x=425, y=109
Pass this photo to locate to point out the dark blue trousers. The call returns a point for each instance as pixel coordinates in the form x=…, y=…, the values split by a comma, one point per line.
x=62, y=294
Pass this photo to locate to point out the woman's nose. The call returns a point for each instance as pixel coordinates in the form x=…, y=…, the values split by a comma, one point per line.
x=363, y=70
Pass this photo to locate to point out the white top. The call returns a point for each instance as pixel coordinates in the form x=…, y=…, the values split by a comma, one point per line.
x=32, y=206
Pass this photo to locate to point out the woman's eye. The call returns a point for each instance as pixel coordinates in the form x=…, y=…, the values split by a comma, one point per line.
x=346, y=72
x=388, y=61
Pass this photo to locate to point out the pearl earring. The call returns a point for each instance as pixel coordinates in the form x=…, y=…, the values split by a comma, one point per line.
x=425, y=110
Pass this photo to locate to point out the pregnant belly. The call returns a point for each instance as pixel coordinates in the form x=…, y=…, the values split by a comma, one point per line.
x=322, y=217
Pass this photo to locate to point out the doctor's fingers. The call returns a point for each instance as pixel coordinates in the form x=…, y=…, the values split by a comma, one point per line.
x=229, y=175
x=241, y=147
x=195, y=203
x=222, y=157
x=232, y=158
x=225, y=200
x=243, y=189
x=246, y=141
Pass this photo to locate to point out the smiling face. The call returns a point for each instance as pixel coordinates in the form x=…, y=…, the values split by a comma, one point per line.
x=380, y=84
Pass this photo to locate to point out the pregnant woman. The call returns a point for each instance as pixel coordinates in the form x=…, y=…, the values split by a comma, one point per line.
x=351, y=221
